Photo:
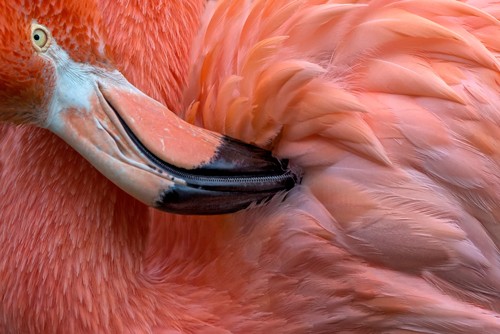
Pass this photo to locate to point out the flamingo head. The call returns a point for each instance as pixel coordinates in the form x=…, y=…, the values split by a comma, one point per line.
x=55, y=74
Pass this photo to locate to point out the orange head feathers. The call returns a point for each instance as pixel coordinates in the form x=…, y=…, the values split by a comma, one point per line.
x=26, y=77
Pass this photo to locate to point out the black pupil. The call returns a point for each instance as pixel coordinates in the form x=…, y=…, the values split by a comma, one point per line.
x=36, y=37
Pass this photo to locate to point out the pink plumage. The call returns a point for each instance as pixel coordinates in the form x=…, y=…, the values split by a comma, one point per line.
x=391, y=109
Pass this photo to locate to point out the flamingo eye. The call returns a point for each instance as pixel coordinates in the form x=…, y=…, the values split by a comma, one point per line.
x=40, y=37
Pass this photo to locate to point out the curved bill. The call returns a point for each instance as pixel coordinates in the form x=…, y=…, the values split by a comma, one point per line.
x=163, y=161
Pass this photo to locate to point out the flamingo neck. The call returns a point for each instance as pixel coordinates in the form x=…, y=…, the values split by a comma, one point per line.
x=155, y=57
x=66, y=234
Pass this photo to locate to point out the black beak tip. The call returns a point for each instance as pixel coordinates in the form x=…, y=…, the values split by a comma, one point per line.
x=194, y=199
x=239, y=176
x=209, y=198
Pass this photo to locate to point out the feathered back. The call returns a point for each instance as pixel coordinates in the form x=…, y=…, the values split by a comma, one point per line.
x=392, y=108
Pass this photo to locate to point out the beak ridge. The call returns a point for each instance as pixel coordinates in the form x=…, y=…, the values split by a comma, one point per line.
x=237, y=176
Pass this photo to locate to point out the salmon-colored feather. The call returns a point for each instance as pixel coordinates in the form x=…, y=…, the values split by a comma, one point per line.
x=410, y=68
x=391, y=109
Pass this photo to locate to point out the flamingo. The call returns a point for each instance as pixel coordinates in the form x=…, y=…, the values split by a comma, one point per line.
x=387, y=112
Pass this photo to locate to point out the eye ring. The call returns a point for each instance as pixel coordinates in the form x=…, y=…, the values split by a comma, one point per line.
x=40, y=37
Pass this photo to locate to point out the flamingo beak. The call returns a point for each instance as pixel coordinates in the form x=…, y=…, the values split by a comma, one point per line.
x=165, y=162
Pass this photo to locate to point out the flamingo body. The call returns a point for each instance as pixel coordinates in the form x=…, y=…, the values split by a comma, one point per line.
x=390, y=110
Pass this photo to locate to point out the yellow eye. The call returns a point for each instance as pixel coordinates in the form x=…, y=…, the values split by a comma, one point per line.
x=40, y=37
